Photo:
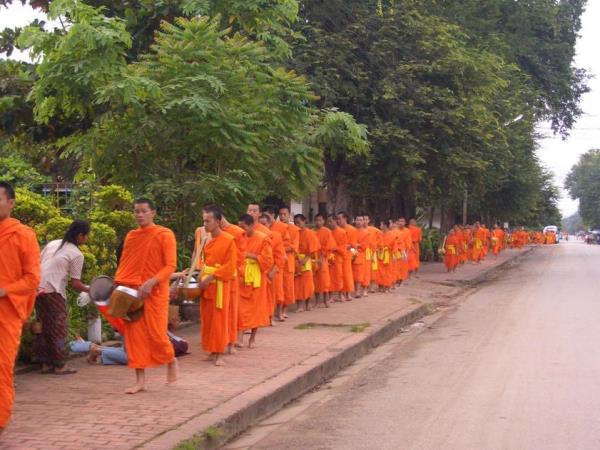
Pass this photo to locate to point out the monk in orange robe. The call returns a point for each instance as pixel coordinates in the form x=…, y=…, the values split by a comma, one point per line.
x=291, y=251
x=279, y=258
x=497, y=240
x=360, y=267
x=149, y=258
x=403, y=248
x=234, y=285
x=307, y=255
x=466, y=242
x=254, y=300
x=451, y=251
x=375, y=243
x=486, y=241
x=326, y=256
x=284, y=274
x=218, y=266
x=255, y=211
x=341, y=275
x=342, y=221
x=386, y=276
x=478, y=238
x=19, y=280
x=416, y=233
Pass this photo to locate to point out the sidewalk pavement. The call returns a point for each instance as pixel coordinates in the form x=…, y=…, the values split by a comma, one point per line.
x=209, y=404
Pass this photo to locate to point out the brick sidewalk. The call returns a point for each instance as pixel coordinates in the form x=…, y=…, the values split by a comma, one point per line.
x=88, y=410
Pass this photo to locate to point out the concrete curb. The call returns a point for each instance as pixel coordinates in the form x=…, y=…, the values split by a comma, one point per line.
x=215, y=427
x=494, y=270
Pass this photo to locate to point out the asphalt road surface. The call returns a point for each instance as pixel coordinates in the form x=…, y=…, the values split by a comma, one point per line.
x=514, y=366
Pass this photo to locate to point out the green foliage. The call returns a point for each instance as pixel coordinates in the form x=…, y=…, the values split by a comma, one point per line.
x=112, y=207
x=54, y=228
x=583, y=183
x=229, y=127
x=76, y=63
x=572, y=224
x=18, y=172
x=33, y=209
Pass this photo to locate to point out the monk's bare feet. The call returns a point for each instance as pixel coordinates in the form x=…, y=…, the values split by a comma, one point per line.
x=239, y=345
x=219, y=362
x=209, y=357
x=285, y=316
x=300, y=309
x=251, y=343
x=172, y=372
x=231, y=349
x=326, y=303
x=135, y=389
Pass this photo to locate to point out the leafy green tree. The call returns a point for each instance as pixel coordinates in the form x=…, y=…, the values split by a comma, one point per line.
x=207, y=116
x=583, y=184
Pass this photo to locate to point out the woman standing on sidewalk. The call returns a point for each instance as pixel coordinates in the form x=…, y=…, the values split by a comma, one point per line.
x=61, y=259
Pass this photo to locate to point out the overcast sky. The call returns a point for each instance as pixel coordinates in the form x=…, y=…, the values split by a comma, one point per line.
x=556, y=154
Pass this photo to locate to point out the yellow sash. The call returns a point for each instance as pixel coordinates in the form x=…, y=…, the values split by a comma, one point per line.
x=478, y=244
x=494, y=240
x=369, y=254
x=252, y=275
x=374, y=264
x=210, y=270
x=307, y=266
x=385, y=259
x=451, y=249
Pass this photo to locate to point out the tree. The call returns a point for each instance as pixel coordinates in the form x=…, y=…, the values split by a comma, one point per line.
x=583, y=184
x=207, y=116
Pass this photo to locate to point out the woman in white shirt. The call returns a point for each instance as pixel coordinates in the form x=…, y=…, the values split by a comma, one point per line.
x=61, y=259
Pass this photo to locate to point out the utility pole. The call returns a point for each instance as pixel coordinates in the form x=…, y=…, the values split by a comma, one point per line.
x=465, y=201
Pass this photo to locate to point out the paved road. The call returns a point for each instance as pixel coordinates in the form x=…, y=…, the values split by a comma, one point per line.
x=515, y=366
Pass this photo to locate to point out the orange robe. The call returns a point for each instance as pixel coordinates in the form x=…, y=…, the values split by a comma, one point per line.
x=279, y=258
x=414, y=257
x=478, y=241
x=386, y=276
x=466, y=246
x=403, y=248
x=375, y=243
x=309, y=246
x=220, y=260
x=234, y=285
x=497, y=240
x=254, y=301
x=326, y=258
x=360, y=267
x=234, y=298
x=149, y=252
x=341, y=278
x=451, y=248
x=293, y=233
x=20, y=278
x=486, y=242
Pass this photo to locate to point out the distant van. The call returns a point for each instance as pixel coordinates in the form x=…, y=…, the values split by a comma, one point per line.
x=555, y=229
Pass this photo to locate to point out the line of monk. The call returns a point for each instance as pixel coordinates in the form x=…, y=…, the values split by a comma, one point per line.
x=262, y=266
x=249, y=274
x=473, y=242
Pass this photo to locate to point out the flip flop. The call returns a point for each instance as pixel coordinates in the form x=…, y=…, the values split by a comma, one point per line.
x=65, y=372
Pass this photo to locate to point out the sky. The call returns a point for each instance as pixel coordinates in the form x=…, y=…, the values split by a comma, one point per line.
x=555, y=153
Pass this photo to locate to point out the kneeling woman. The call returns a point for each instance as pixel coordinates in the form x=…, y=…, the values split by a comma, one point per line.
x=61, y=259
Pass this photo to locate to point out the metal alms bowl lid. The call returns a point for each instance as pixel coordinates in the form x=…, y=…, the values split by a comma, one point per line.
x=100, y=289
